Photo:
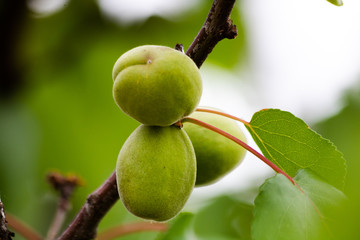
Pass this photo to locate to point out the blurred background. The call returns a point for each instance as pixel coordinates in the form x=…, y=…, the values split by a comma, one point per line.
x=57, y=111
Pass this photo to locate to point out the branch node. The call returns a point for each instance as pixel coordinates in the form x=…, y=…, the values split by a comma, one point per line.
x=178, y=124
x=217, y=26
x=179, y=47
x=65, y=185
x=231, y=32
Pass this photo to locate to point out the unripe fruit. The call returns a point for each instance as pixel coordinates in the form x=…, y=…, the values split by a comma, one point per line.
x=156, y=85
x=155, y=172
x=215, y=154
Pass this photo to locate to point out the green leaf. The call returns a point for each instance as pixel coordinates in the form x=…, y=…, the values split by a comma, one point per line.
x=289, y=143
x=283, y=211
x=322, y=194
x=336, y=2
x=224, y=218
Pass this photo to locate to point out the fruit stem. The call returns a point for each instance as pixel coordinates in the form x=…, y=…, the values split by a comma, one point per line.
x=130, y=228
x=241, y=143
x=21, y=228
x=222, y=114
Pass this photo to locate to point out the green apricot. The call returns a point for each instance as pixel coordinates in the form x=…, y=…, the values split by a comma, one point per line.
x=156, y=85
x=155, y=172
x=216, y=155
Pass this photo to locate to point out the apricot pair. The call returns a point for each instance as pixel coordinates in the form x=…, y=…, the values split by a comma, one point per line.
x=159, y=165
x=156, y=167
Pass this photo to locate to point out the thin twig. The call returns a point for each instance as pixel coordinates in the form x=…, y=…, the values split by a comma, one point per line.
x=23, y=229
x=58, y=220
x=125, y=229
x=217, y=26
x=222, y=114
x=97, y=205
x=65, y=185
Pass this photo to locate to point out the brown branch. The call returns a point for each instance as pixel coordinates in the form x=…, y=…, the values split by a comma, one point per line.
x=123, y=230
x=23, y=229
x=217, y=26
x=97, y=205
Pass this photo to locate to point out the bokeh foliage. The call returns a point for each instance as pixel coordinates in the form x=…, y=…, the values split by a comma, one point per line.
x=344, y=130
x=61, y=116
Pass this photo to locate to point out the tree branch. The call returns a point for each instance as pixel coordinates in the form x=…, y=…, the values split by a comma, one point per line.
x=5, y=233
x=217, y=26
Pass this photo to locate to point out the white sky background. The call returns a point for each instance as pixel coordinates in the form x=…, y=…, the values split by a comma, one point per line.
x=304, y=53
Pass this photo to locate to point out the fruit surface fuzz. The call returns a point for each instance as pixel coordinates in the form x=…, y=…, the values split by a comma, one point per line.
x=156, y=171
x=216, y=155
x=156, y=85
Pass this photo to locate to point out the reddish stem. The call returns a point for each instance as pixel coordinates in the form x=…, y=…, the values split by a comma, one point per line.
x=123, y=230
x=222, y=114
x=23, y=229
x=241, y=143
